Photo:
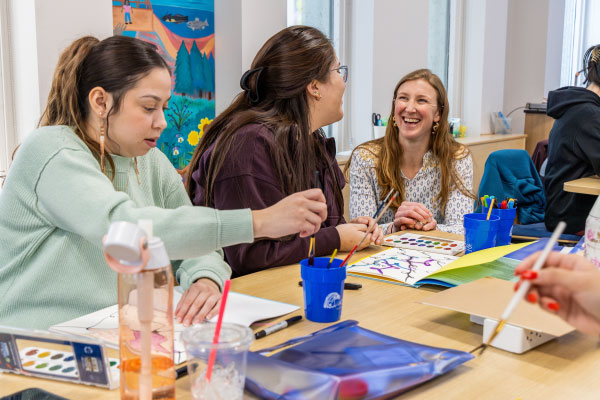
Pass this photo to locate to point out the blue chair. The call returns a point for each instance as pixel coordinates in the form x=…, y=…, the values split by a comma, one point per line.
x=512, y=174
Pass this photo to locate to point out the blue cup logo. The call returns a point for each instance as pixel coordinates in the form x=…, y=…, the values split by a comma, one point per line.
x=333, y=301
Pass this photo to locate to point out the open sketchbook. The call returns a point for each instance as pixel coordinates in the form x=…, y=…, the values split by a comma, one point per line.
x=241, y=309
x=416, y=268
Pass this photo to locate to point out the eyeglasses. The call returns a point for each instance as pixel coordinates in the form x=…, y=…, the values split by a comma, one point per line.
x=343, y=71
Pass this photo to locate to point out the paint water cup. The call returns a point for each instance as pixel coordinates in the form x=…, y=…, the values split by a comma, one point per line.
x=229, y=370
x=480, y=233
x=323, y=289
x=505, y=226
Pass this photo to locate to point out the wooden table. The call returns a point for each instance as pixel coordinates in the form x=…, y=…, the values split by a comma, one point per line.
x=565, y=368
x=587, y=185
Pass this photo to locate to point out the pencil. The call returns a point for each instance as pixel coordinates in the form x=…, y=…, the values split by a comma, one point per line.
x=524, y=287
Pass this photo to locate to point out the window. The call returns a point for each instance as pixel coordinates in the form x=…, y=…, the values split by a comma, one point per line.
x=7, y=141
x=325, y=16
x=580, y=33
x=439, y=38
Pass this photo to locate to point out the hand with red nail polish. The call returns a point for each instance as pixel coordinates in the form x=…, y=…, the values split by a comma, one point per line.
x=567, y=285
x=529, y=274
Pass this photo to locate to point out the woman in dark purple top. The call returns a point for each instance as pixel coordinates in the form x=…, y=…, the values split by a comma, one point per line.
x=269, y=143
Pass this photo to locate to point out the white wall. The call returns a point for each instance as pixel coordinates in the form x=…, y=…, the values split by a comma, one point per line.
x=58, y=23
x=241, y=28
x=43, y=30
x=527, y=56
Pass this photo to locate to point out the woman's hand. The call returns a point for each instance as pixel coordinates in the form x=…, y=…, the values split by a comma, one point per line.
x=411, y=215
x=351, y=234
x=376, y=232
x=300, y=212
x=569, y=285
x=201, y=301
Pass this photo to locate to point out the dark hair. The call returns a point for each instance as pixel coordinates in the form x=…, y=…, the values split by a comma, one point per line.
x=115, y=64
x=275, y=96
x=388, y=151
x=591, y=65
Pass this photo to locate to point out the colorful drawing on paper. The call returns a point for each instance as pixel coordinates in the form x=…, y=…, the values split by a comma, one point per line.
x=403, y=265
x=183, y=31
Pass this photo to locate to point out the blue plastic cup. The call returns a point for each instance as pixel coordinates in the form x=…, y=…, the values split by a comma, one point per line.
x=480, y=233
x=507, y=220
x=323, y=289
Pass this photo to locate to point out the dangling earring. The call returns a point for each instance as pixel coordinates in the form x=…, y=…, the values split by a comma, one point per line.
x=435, y=128
x=394, y=121
x=102, y=143
x=137, y=171
x=317, y=95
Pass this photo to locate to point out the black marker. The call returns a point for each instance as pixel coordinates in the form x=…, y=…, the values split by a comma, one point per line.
x=277, y=327
x=181, y=372
x=347, y=285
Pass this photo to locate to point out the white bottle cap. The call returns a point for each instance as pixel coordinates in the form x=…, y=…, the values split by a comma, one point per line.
x=595, y=212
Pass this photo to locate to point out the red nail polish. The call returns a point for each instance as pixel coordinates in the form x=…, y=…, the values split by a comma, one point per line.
x=517, y=286
x=532, y=297
x=517, y=273
x=529, y=274
x=554, y=306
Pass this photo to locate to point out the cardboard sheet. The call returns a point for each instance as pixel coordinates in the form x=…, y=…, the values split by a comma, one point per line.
x=488, y=297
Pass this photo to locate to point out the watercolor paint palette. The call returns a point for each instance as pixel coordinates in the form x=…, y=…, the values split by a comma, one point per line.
x=60, y=363
x=54, y=356
x=425, y=243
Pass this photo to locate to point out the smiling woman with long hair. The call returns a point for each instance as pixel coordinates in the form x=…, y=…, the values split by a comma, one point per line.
x=417, y=157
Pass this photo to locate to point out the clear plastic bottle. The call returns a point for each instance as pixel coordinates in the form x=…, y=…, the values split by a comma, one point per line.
x=146, y=323
x=592, y=234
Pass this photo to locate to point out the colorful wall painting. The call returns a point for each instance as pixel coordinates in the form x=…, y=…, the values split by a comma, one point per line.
x=184, y=33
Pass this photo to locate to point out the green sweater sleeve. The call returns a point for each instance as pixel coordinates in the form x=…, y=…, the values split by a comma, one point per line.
x=74, y=195
x=212, y=265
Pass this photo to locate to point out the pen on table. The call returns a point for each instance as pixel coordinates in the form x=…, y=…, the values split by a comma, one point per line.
x=524, y=287
x=347, y=285
x=277, y=327
x=181, y=372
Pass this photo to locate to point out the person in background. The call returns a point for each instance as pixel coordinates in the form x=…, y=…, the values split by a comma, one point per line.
x=269, y=143
x=93, y=162
x=568, y=285
x=573, y=147
x=418, y=158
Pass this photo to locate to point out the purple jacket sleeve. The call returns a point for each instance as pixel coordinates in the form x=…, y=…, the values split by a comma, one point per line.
x=250, y=192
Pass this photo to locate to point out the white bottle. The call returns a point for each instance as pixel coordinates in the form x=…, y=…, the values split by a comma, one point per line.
x=592, y=235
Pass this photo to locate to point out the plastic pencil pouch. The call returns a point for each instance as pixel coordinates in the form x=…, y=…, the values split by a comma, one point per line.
x=345, y=361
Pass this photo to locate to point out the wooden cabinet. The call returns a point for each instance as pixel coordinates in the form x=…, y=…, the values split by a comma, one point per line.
x=537, y=127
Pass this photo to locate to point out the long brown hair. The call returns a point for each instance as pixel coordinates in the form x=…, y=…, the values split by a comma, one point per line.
x=116, y=64
x=275, y=95
x=387, y=150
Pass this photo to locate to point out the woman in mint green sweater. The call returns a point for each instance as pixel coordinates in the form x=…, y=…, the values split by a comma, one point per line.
x=94, y=161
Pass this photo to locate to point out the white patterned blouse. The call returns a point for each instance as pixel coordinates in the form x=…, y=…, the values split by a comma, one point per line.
x=365, y=191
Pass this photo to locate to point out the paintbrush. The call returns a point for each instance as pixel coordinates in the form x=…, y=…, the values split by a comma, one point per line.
x=523, y=288
x=382, y=204
x=369, y=230
x=311, y=255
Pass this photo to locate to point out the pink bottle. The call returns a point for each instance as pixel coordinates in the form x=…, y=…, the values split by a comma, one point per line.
x=145, y=288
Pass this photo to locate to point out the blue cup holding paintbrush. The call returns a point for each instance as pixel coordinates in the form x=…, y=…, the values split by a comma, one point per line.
x=323, y=289
x=505, y=225
x=480, y=232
